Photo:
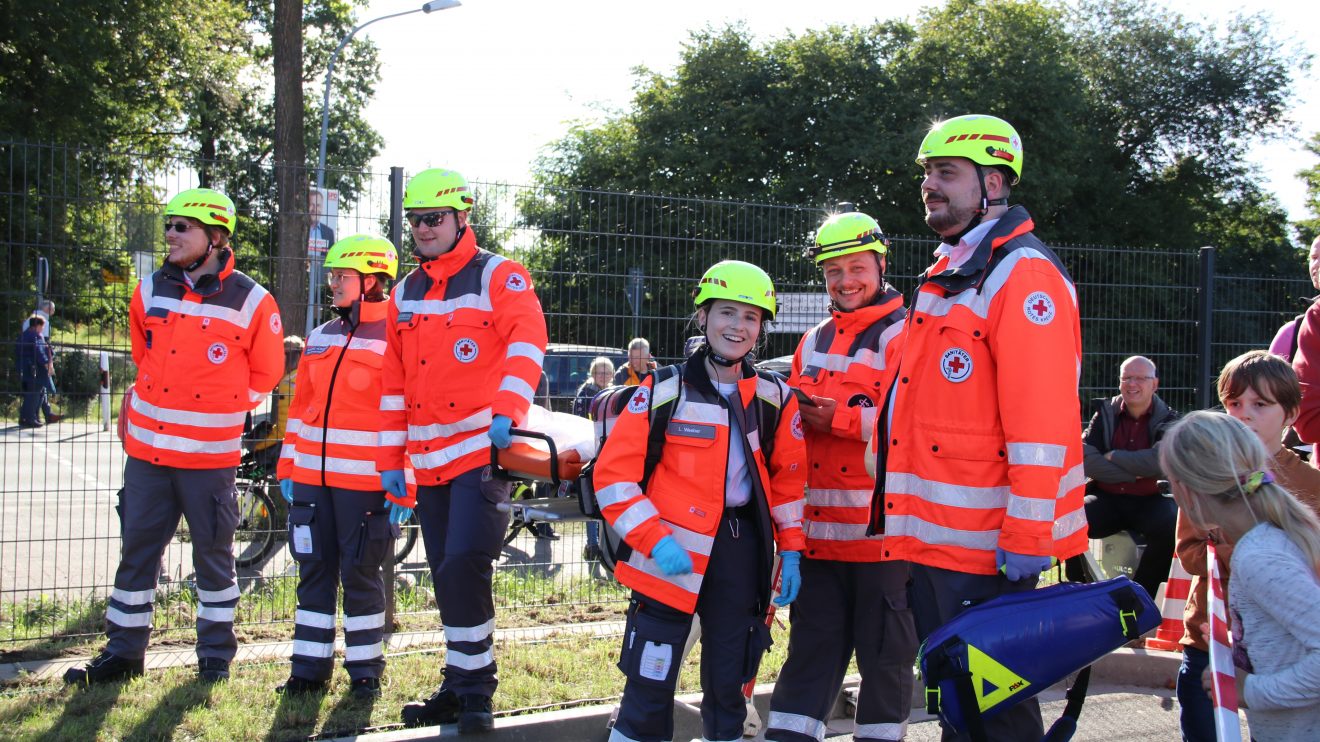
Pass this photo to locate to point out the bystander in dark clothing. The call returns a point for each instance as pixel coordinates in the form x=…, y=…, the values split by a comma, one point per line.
x=34, y=372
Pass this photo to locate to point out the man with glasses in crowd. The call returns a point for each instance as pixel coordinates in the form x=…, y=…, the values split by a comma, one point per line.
x=1121, y=445
x=466, y=342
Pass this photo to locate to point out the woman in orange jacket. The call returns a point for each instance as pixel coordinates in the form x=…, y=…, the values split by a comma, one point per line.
x=339, y=518
x=700, y=508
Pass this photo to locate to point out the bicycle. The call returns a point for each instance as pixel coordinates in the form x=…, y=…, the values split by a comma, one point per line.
x=406, y=538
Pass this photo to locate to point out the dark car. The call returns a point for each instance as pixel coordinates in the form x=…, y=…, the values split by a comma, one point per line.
x=783, y=365
x=566, y=367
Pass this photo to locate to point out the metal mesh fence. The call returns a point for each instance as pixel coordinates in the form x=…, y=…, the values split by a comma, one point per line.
x=608, y=267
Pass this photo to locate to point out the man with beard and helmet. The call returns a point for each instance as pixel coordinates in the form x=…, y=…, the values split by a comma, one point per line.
x=702, y=478
x=209, y=346
x=466, y=341
x=850, y=600
x=327, y=473
x=979, y=474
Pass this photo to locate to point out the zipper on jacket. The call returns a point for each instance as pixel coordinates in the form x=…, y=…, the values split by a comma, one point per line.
x=330, y=395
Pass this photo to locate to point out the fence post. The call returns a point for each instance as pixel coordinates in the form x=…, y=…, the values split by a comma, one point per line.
x=1205, y=309
x=396, y=209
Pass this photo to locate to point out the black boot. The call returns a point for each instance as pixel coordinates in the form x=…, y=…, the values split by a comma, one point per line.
x=365, y=688
x=441, y=708
x=212, y=669
x=295, y=686
x=104, y=668
x=476, y=715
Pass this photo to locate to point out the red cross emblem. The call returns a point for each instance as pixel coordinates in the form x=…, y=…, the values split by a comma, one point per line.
x=465, y=350
x=1039, y=308
x=217, y=353
x=515, y=282
x=956, y=365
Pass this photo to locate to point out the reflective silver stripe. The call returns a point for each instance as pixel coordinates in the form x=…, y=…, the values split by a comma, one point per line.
x=313, y=619
x=362, y=652
x=979, y=301
x=437, y=459
x=635, y=515
x=255, y=396
x=218, y=596
x=937, y=535
x=469, y=661
x=768, y=390
x=868, y=422
x=829, y=361
x=832, y=498
x=286, y=451
x=374, y=346
x=701, y=412
x=146, y=289
x=1037, y=454
x=526, y=350
x=128, y=620
x=826, y=531
x=392, y=438
x=293, y=425
x=391, y=403
x=789, y=514
x=218, y=615
x=182, y=445
x=468, y=633
x=1030, y=508
x=240, y=317
x=880, y=731
x=340, y=436
x=697, y=543
x=1069, y=524
x=365, y=467
x=1076, y=477
x=304, y=648
x=437, y=306
x=617, y=493
x=691, y=582
x=517, y=386
x=665, y=391
x=797, y=723
x=617, y=736
x=754, y=440
x=186, y=417
x=476, y=421
x=133, y=597
x=953, y=495
x=364, y=623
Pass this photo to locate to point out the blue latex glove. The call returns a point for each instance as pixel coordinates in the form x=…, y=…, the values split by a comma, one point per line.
x=392, y=482
x=790, y=577
x=398, y=513
x=672, y=558
x=1021, y=566
x=499, y=431
x=286, y=489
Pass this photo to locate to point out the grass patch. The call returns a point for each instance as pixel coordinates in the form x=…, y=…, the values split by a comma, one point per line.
x=556, y=670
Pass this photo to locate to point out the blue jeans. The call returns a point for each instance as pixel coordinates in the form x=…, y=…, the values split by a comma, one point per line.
x=1198, y=712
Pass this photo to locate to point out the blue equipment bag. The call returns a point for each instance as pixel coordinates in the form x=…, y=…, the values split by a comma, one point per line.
x=999, y=653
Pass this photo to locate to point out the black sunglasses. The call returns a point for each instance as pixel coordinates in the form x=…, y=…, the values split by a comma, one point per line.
x=179, y=227
x=432, y=220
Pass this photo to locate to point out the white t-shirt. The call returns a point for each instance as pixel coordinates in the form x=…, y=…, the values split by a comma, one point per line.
x=737, y=484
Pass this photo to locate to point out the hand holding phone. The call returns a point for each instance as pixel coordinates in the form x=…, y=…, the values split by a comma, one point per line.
x=803, y=398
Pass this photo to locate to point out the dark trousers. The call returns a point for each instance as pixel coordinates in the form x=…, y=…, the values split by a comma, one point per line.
x=463, y=530
x=34, y=392
x=1198, y=711
x=154, y=497
x=937, y=596
x=733, y=639
x=845, y=607
x=349, y=535
x=1155, y=517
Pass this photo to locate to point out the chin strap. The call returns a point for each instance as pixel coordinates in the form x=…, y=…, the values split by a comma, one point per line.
x=715, y=358
x=351, y=313
x=210, y=247
x=986, y=203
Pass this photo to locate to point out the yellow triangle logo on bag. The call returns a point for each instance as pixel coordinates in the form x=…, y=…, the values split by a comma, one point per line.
x=992, y=682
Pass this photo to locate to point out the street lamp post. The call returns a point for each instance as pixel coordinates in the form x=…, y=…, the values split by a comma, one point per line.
x=430, y=7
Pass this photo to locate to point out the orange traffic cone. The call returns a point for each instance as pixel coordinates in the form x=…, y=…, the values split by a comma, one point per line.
x=1172, y=599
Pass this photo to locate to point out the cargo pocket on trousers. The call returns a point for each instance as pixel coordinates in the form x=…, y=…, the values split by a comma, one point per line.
x=375, y=536
x=225, y=522
x=652, y=649
x=304, y=543
x=494, y=490
x=898, y=626
x=758, y=642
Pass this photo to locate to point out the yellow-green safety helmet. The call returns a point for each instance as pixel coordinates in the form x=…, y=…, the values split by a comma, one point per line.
x=985, y=140
x=438, y=188
x=845, y=234
x=365, y=254
x=737, y=281
x=206, y=206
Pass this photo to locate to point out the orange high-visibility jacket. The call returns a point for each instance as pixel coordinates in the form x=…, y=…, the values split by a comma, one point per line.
x=685, y=495
x=985, y=448
x=465, y=342
x=205, y=357
x=330, y=439
x=850, y=358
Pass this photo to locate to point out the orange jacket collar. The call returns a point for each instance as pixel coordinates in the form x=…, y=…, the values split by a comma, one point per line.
x=887, y=300
x=449, y=263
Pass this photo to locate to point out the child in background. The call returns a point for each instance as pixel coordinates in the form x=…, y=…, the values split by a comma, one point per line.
x=1261, y=390
x=1219, y=471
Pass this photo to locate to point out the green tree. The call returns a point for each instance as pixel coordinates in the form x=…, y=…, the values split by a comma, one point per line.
x=1308, y=229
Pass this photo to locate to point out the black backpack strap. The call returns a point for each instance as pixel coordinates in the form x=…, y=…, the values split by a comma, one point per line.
x=660, y=417
x=1297, y=329
x=940, y=665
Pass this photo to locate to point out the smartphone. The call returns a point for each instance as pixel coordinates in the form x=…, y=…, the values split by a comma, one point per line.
x=803, y=398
